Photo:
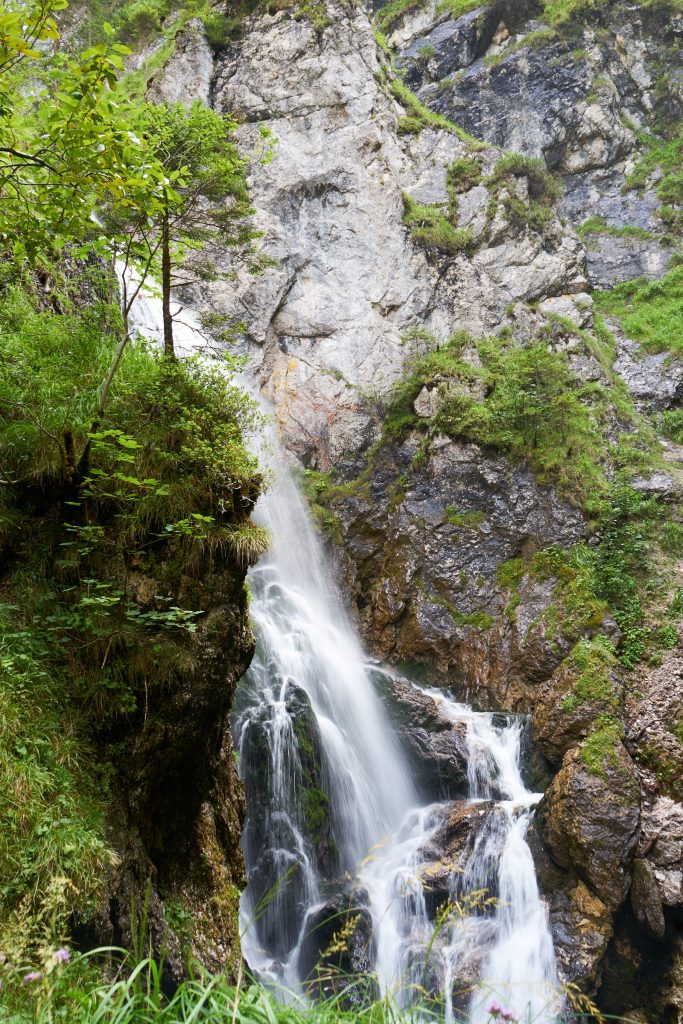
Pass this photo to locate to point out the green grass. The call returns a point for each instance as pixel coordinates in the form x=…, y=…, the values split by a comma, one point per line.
x=419, y=116
x=598, y=226
x=53, y=853
x=599, y=749
x=73, y=993
x=390, y=15
x=594, y=661
x=163, y=482
x=464, y=520
x=650, y=312
x=456, y=8
x=431, y=227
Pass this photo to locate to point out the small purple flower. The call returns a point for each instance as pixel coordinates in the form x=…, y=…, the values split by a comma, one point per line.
x=33, y=976
x=508, y=1014
x=495, y=1009
x=62, y=956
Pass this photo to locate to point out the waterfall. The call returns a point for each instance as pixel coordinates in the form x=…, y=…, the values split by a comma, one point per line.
x=333, y=819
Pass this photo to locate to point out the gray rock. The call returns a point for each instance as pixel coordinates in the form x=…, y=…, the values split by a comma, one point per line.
x=435, y=746
x=654, y=380
x=186, y=76
x=646, y=901
x=661, y=844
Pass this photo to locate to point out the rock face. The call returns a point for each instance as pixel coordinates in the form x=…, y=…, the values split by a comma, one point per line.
x=175, y=752
x=590, y=820
x=337, y=954
x=328, y=325
x=573, y=99
x=426, y=586
x=434, y=745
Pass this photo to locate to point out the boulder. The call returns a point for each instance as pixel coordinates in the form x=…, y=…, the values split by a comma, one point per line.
x=580, y=923
x=434, y=744
x=448, y=872
x=337, y=953
x=590, y=818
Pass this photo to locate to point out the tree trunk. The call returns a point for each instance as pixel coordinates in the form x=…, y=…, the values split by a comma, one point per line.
x=169, y=351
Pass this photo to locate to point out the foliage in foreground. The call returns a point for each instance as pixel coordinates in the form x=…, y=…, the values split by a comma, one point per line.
x=70, y=988
x=166, y=482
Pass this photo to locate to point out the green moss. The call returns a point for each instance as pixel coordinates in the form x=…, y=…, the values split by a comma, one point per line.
x=419, y=116
x=541, y=37
x=464, y=520
x=650, y=312
x=477, y=620
x=576, y=607
x=599, y=226
x=543, y=185
x=456, y=8
x=666, y=155
x=595, y=662
x=316, y=810
x=599, y=749
x=463, y=174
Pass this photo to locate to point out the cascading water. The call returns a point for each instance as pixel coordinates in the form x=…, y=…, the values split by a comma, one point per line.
x=332, y=811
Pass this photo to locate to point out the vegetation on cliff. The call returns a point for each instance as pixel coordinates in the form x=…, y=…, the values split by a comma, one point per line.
x=126, y=492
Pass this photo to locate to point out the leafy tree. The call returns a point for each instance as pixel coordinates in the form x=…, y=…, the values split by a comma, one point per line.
x=204, y=212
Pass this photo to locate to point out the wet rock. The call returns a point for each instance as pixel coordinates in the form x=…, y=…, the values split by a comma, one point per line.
x=590, y=820
x=646, y=901
x=448, y=854
x=580, y=923
x=282, y=845
x=312, y=814
x=337, y=952
x=434, y=744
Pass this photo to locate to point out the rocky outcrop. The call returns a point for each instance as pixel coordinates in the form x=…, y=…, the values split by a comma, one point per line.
x=574, y=97
x=434, y=744
x=590, y=821
x=571, y=702
x=422, y=566
x=176, y=751
x=336, y=955
x=328, y=325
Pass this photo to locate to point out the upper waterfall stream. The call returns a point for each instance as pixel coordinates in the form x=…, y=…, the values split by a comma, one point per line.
x=340, y=847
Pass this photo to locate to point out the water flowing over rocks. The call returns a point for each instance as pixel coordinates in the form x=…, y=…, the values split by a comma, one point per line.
x=351, y=303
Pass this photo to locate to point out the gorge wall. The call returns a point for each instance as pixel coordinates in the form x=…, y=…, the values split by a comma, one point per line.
x=401, y=242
